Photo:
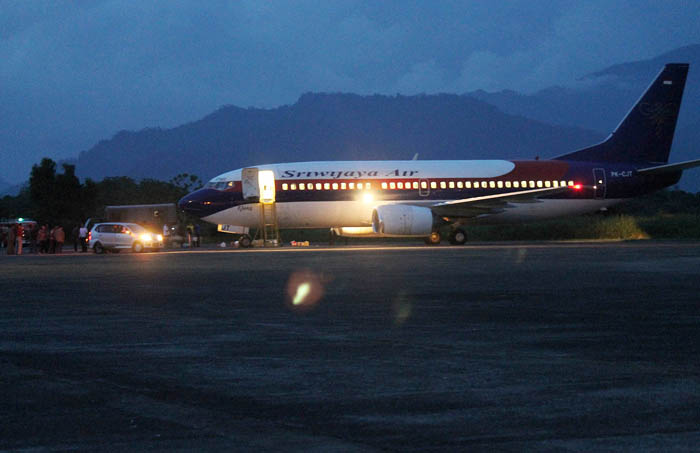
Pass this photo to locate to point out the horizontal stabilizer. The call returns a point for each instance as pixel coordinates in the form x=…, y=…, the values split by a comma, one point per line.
x=669, y=168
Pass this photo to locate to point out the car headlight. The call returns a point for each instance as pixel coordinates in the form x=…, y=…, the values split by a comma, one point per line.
x=147, y=237
x=159, y=237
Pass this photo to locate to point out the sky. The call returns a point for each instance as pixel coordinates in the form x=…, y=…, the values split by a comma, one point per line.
x=75, y=72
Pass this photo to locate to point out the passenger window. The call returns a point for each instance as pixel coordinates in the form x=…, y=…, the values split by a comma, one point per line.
x=284, y=186
x=433, y=185
x=392, y=185
x=359, y=186
x=499, y=184
x=318, y=186
x=443, y=185
x=571, y=183
x=547, y=184
x=507, y=184
x=516, y=184
x=468, y=184
x=539, y=183
x=415, y=184
x=562, y=183
x=399, y=185
x=556, y=183
x=343, y=186
x=368, y=185
x=460, y=184
x=335, y=186
x=294, y=187
x=532, y=184
x=302, y=186
x=451, y=184
x=351, y=185
x=484, y=184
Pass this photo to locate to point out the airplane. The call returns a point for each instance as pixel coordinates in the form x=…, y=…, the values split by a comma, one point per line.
x=415, y=198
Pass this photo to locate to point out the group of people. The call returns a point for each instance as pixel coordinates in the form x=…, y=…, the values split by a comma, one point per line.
x=41, y=239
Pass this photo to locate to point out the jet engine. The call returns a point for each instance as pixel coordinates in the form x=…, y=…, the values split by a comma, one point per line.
x=402, y=220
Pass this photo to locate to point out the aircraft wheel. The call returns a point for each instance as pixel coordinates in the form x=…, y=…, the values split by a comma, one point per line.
x=245, y=241
x=137, y=247
x=458, y=237
x=98, y=248
x=434, y=238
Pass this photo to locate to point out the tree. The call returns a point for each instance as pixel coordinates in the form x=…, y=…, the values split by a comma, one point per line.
x=42, y=185
x=59, y=198
x=186, y=182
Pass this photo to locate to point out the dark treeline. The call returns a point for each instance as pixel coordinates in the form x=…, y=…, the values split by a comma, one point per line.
x=59, y=198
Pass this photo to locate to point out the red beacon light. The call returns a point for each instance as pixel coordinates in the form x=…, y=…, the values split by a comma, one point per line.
x=577, y=186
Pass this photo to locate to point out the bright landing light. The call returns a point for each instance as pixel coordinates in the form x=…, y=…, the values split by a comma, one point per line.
x=367, y=197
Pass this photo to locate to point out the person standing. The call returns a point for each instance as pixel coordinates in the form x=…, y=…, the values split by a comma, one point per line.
x=19, y=238
x=60, y=237
x=166, y=235
x=83, y=234
x=75, y=232
x=33, y=230
x=198, y=234
x=11, y=235
x=52, y=240
x=42, y=238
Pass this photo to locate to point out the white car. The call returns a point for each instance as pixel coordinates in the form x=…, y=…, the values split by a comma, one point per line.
x=116, y=236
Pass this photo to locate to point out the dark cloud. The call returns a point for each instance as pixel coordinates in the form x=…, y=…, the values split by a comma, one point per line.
x=73, y=72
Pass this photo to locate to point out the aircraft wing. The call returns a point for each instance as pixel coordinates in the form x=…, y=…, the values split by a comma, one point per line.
x=492, y=204
x=669, y=167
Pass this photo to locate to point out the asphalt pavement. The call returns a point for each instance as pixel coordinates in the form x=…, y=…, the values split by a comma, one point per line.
x=506, y=347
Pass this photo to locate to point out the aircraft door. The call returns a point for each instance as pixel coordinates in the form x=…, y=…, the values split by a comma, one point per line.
x=249, y=184
x=599, y=186
x=266, y=181
x=423, y=188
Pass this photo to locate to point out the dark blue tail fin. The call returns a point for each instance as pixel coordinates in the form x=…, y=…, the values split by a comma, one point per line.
x=646, y=133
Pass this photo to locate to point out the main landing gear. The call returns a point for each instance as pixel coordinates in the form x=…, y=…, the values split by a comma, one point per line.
x=457, y=237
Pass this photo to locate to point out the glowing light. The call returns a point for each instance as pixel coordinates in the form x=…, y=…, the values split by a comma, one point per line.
x=159, y=237
x=146, y=237
x=367, y=197
x=303, y=290
x=577, y=186
x=21, y=219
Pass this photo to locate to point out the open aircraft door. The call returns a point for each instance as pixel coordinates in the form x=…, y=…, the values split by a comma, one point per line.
x=599, y=182
x=258, y=185
x=266, y=182
x=249, y=184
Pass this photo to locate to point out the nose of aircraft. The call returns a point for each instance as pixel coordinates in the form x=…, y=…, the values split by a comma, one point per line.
x=204, y=202
x=197, y=202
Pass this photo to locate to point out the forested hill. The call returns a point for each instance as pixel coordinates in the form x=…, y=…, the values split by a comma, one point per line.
x=331, y=127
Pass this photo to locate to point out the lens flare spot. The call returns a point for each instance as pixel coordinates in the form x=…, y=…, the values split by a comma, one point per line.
x=303, y=290
x=402, y=308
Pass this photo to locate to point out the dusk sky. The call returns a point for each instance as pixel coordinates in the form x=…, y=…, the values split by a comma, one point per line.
x=75, y=72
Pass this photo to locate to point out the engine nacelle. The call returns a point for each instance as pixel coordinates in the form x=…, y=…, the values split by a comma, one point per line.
x=402, y=220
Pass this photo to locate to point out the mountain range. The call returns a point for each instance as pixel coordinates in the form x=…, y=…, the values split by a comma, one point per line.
x=337, y=126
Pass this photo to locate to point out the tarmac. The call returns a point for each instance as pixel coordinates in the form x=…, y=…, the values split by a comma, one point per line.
x=485, y=347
